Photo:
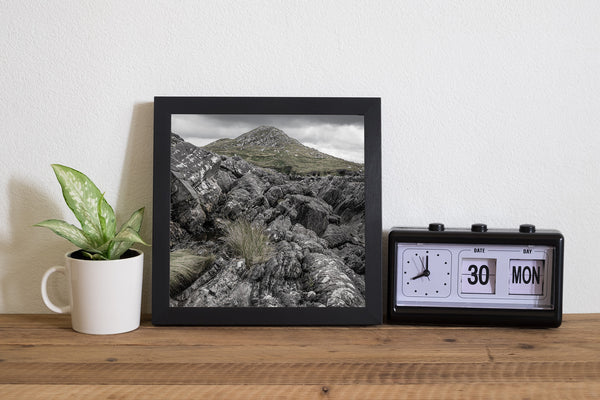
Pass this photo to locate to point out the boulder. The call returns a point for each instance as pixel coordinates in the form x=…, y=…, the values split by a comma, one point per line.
x=236, y=165
x=225, y=180
x=345, y=195
x=193, y=163
x=190, y=218
x=311, y=212
x=333, y=287
x=353, y=256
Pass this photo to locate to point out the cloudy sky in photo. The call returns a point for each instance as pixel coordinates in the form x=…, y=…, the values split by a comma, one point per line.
x=338, y=135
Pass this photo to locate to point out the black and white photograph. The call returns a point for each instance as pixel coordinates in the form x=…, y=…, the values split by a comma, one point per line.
x=267, y=211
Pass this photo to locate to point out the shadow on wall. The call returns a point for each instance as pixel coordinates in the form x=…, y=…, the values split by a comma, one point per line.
x=31, y=251
x=135, y=189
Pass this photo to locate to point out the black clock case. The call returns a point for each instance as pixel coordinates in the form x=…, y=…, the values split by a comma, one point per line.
x=476, y=316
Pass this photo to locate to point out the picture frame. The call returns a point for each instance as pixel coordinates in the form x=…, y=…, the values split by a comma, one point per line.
x=313, y=220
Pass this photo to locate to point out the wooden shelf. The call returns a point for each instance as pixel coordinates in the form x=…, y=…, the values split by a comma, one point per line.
x=41, y=357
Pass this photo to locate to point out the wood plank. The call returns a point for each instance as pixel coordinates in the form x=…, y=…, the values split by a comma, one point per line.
x=242, y=354
x=486, y=391
x=35, y=321
x=580, y=331
x=296, y=373
x=574, y=341
x=53, y=321
x=407, y=351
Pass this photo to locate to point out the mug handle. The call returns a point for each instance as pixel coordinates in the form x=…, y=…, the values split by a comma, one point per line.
x=50, y=304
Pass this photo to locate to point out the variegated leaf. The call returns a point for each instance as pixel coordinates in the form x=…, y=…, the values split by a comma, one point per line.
x=83, y=198
x=69, y=232
x=124, y=240
x=121, y=242
x=128, y=235
x=107, y=219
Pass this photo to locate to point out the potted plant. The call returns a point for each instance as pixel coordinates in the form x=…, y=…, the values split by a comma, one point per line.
x=105, y=274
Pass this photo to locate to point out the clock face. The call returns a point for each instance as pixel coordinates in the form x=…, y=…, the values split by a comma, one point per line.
x=426, y=272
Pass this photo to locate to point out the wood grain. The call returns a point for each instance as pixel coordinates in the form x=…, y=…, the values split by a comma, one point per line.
x=41, y=357
x=559, y=391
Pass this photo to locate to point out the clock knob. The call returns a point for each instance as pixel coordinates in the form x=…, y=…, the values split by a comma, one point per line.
x=527, y=228
x=436, y=227
x=479, y=228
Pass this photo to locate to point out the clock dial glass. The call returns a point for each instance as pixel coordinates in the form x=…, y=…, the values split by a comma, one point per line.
x=474, y=275
x=426, y=272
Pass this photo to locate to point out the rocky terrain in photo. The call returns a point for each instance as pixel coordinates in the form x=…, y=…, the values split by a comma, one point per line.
x=314, y=223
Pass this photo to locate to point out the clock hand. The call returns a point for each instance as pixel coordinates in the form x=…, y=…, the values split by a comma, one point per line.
x=424, y=273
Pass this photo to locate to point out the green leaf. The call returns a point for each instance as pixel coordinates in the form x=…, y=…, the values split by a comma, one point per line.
x=123, y=241
x=127, y=236
x=135, y=221
x=85, y=200
x=94, y=256
x=108, y=221
x=88, y=255
x=69, y=232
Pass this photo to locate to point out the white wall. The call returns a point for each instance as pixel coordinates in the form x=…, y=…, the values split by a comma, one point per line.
x=490, y=110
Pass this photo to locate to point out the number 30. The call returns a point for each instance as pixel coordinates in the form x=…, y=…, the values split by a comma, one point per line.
x=479, y=275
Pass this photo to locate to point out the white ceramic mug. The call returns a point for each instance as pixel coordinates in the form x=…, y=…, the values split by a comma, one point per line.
x=105, y=295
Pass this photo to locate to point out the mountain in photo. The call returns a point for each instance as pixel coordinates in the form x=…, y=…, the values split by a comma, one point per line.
x=269, y=147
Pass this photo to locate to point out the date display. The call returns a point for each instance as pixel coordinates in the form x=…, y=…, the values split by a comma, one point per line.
x=478, y=275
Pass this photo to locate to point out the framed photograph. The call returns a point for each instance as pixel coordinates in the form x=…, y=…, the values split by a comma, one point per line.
x=267, y=211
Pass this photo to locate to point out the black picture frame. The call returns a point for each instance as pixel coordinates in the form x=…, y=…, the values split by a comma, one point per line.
x=164, y=314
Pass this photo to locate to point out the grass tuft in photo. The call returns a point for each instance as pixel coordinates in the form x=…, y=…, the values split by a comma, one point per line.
x=185, y=268
x=249, y=242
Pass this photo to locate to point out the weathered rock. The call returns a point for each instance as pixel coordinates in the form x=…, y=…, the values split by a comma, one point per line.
x=209, y=194
x=181, y=189
x=225, y=180
x=312, y=212
x=307, y=239
x=251, y=184
x=245, y=199
x=285, y=262
x=225, y=289
x=190, y=218
x=179, y=237
x=336, y=235
x=236, y=165
x=325, y=276
x=270, y=177
x=273, y=195
x=352, y=232
x=353, y=256
x=193, y=163
x=278, y=228
x=346, y=196
x=276, y=193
